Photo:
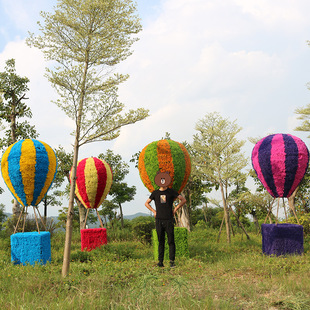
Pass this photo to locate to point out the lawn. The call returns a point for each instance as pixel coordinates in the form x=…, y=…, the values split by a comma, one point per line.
x=124, y=275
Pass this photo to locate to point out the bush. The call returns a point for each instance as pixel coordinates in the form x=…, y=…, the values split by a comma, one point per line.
x=30, y=225
x=304, y=220
x=142, y=227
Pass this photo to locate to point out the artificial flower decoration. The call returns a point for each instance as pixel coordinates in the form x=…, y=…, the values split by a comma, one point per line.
x=165, y=156
x=93, y=181
x=28, y=168
x=280, y=162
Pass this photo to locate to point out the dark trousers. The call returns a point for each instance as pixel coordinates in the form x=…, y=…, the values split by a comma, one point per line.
x=162, y=227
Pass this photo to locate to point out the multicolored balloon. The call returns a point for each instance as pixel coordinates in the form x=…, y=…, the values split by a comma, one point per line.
x=93, y=181
x=280, y=162
x=28, y=168
x=165, y=156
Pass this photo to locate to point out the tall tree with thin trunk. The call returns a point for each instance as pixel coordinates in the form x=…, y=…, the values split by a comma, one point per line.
x=13, y=90
x=87, y=38
x=218, y=155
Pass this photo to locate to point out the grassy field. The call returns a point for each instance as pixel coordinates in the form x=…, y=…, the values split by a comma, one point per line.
x=123, y=275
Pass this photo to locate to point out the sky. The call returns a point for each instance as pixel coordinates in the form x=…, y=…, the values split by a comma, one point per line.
x=248, y=60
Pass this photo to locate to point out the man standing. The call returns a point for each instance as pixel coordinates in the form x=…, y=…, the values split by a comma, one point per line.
x=164, y=198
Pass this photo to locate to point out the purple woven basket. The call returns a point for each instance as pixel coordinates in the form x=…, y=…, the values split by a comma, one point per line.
x=282, y=239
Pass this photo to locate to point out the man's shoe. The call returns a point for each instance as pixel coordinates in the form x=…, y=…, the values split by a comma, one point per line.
x=172, y=264
x=160, y=264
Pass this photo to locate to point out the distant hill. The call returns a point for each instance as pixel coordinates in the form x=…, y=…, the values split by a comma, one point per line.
x=130, y=217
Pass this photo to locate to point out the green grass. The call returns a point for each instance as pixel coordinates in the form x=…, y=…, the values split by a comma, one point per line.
x=123, y=275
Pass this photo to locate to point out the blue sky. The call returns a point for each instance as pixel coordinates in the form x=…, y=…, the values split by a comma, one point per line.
x=246, y=59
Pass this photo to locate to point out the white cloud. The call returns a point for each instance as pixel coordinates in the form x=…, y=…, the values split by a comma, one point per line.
x=284, y=13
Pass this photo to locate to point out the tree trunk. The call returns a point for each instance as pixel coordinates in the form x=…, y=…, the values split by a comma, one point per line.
x=16, y=208
x=67, y=250
x=219, y=235
x=226, y=214
x=183, y=216
x=291, y=203
x=82, y=214
x=240, y=224
x=255, y=221
x=204, y=209
x=121, y=213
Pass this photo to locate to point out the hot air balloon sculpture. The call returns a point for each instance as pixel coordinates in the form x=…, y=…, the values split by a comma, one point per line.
x=93, y=182
x=165, y=156
x=280, y=162
x=28, y=168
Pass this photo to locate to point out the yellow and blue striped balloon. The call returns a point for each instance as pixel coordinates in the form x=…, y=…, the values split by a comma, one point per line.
x=28, y=168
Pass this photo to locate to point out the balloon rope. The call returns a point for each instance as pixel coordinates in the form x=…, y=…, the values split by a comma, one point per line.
x=86, y=218
x=19, y=219
x=35, y=215
x=25, y=216
x=100, y=219
x=284, y=207
x=277, y=211
x=269, y=210
x=41, y=219
x=293, y=209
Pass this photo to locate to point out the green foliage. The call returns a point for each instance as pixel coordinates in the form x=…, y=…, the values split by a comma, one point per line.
x=142, y=227
x=119, y=191
x=304, y=220
x=13, y=89
x=2, y=215
x=62, y=217
x=218, y=152
x=304, y=114
x=213, y=216
x=29, y=225
x=181, y=243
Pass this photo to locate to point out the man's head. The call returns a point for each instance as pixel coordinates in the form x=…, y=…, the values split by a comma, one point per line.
x=162, y=179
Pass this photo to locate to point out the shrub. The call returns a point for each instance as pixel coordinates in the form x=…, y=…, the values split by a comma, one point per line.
x=142, y=227
x=304, y=220
x=30, y=225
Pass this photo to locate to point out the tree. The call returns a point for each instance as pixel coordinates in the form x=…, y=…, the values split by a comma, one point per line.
x=304, y=115
x=2, y=215
x=219, y=158
x=120, y=191
x=62, y=217
x=194, y=192
x=87, y=38
x=13, y=89
x=107, y=211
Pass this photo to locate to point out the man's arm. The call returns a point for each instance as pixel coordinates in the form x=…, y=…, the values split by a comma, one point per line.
x=182, y=202
x=147, y=204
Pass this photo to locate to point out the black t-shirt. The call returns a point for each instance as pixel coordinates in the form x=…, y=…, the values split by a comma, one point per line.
x=164, y=202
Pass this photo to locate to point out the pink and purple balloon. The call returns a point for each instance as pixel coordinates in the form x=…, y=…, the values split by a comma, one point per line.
x=280, y=162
